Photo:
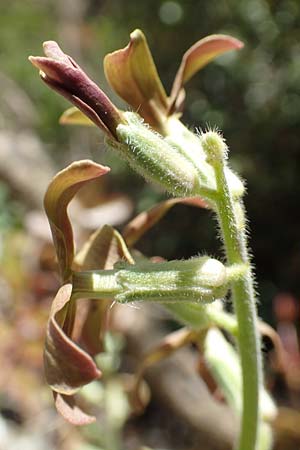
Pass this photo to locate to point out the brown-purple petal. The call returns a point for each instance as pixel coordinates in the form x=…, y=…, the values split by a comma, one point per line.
x=67, y=407
x=62, y=74
x=60, y=192
x=198, y=56
x=138, y=226
x=67, y=366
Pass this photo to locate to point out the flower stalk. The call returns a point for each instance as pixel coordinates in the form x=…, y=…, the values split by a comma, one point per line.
x=243, y=296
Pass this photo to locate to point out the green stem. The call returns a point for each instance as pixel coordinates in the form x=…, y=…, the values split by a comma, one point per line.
x=233, y=232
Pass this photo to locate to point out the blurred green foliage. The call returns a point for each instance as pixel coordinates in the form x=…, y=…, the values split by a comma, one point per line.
x=253, y=96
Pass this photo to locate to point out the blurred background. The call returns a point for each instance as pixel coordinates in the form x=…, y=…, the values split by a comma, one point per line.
x=252, y=95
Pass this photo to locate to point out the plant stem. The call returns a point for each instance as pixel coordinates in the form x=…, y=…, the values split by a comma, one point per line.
x=231, y=220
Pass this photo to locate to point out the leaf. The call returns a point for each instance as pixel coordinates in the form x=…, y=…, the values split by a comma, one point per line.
x=132, y=74
x=73, y=116
x=104, y=248
x=198, y=56
x=147, y=219
x=67, y=366
x=67, y=407
x=59, y=194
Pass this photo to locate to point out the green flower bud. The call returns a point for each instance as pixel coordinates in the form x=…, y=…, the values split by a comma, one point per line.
x=155, y=159
x=195, y=280
x=200, y=279
x=214, y=146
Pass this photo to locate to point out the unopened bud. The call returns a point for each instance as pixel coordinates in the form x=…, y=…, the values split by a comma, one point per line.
x=200, y=279
x=155, y=159
x=196, y=280
x=214, y=146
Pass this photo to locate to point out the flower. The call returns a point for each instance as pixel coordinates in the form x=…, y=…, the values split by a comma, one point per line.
x=133, y=75
x=172, y=158
x=64, y=75
x=69, y=346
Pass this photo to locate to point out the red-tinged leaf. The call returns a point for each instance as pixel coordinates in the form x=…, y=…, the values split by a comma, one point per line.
x=59, y=194
x=104, y=248
x=67, y=366
x=132, y=74
x=67, y=407
x=198, y=56
x=147, y=219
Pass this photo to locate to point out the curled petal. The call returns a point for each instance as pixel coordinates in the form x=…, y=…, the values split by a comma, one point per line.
x=198, y=56
x=280, y=352
x=132, y=74
x=67, y=366
x=59, y=194
x=66, y=77
x=147, y=219
x=67, y=407
x=103, y=249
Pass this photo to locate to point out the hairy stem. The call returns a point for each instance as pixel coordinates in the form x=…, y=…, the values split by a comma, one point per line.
x=231, y=220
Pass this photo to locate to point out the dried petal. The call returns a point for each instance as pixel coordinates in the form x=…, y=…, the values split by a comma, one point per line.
x=280, y=352
x=103, y=249
x=59, y=194
x=67, y=366
x=147, y=219
x=132, y=74
x=196, y=57
x=67, y=407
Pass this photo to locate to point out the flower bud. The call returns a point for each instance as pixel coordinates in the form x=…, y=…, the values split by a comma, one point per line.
x=196, y=280
x=61, y=73
x=214, y=146
x=154, y=158
x=200, y=279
